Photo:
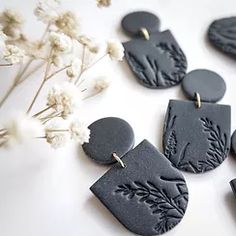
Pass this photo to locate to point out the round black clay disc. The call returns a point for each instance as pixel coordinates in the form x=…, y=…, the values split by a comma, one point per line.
x=133, y=22
x=210, y=86
x=222, y=34
x=109, y=135
x=233, y=142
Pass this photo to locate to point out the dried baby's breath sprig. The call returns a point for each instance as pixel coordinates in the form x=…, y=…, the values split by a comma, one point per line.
x=13, y=54
x=75, y=68
x=103, y=3
x=64, y=98
x=79, y=132
x=68, y=23
x=11, y=22
x=101, y=84
x=57, y=60
x=58, y=135
x=20, y=128
x=47, y=10
x=115, y=50
x=88, y=43
x=60, y=50
x=60, y=43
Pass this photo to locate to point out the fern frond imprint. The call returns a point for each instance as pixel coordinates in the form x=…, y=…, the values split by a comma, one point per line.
x=218, y=145
x=168, y=209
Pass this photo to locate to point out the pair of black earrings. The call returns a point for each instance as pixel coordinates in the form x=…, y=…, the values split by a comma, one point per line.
x=196, y=138
x=144, y=190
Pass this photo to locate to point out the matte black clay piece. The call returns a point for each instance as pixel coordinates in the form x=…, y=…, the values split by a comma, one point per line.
x=196, y=139
x=149, y=196
x=233, y=186
x=233, y=142
x=109, y=135
x=222, y=34
x=158, y=62
x=210, y=86
x=133, y=22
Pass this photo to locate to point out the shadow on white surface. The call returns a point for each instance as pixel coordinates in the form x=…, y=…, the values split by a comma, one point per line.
x=104, y=218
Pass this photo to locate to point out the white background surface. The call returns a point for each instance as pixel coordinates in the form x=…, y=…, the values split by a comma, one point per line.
x=45, y=192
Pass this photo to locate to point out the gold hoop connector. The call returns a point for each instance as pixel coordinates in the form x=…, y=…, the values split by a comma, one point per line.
x=198, y=100
x=145, y=33
x=118, y=159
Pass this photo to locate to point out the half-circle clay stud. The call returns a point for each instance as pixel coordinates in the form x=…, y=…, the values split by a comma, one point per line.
x=142, y=190
x=208, y=84
x=196, y=135
x=222, y=34
x=154, y=57
x=233, y=143
x=109, y=135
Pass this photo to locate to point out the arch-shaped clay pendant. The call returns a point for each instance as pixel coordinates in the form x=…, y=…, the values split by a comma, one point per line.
x=149, y=196
x=196, y=135
x=196, y=140
x=154, y=57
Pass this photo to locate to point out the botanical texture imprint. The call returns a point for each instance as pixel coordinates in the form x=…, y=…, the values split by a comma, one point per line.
x=158, y=76
x=215, y=155
x=168, y=209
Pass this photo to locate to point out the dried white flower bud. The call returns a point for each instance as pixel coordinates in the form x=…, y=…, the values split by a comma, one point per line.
x=46, y=11
x=79, y=132
x=57, y=60
x=65, y=98
x=13, y=54
x=89, y=43
x=13, y=33
x=68, y=23
x=12, y=18
x=55, y=136
x=93, y=48
x=102, y=83
x=75, y=68
x=21, y=128
x=103, y=3
x=11, y=22
x=115, y=50
x=85, y=40
x=60, y=42
x=57, y=140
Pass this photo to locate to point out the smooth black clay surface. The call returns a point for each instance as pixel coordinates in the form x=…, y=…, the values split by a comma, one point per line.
x=149, y=196
x=233, y=142
x=208, y=84
x=109, y=135
x=158, y=62
x=222, y=34
x=233, y=186
x=133, y=22
x=196, y=139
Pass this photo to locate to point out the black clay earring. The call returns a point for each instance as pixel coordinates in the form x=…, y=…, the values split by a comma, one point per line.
x=233, y=186
x=154, y=57
x=222, y=35
x=142, y=190
x=233, y=150
x=197, y=134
